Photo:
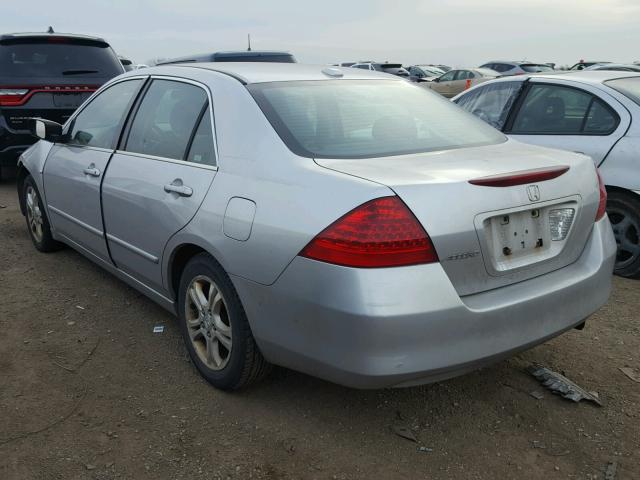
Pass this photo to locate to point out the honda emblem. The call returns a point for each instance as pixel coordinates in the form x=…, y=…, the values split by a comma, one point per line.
x=534, y=193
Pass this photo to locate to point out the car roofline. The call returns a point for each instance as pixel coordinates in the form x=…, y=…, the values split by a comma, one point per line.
x=21, y=35
x=266, y=72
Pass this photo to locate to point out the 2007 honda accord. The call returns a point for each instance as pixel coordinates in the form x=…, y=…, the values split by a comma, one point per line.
x=339, y=222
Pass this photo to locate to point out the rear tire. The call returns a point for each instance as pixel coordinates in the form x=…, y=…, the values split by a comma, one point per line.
x=36, y=216
x=214, y=327
x=623, y=210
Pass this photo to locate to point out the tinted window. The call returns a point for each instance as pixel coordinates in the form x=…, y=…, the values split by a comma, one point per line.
x=600, y=119
x=491, y=102
x=100, y=122
x=629, y=87
x=536, y=68
x=502, y=67
x=35, y=58
x=552, y=109
x=374, y=118
x=166, y=119
x=201, y=150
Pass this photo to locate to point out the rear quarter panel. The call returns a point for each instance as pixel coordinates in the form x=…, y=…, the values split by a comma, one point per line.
x=621, y=168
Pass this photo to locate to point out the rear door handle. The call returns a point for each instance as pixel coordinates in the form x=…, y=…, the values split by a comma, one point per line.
x=177, y=187
x=92, y=170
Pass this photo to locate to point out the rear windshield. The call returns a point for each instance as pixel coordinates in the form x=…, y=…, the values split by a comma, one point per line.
x=629, y=87
x=536, y=68
x=367, y=118
x=38, y=58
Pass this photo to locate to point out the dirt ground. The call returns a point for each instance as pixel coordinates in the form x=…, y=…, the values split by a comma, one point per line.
x=88, y=391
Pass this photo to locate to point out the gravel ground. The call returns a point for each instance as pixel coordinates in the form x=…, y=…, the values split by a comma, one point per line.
x=87, y=390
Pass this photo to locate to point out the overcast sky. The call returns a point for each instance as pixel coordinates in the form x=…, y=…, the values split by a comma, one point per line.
x=455, y=32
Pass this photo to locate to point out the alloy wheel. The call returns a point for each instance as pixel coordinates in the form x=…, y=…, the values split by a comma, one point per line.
x=626, y=230
x=34, y=214
x=208, y=322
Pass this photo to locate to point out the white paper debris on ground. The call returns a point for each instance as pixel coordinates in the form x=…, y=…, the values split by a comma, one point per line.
x=158, y=329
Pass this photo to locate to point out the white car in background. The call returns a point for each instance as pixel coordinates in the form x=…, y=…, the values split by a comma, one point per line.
x=590, y=112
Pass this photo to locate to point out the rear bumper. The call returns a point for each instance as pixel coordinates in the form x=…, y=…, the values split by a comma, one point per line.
x=372, y=328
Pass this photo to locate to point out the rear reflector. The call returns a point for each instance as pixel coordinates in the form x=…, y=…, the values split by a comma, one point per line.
x=602, y=204
x=380, y=233
x=521, y=177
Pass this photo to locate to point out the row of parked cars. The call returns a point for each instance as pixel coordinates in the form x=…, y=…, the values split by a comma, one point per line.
x=338, y=221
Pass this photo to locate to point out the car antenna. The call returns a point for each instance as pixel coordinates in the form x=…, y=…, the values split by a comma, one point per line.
x=50, y=29
x=249, y=42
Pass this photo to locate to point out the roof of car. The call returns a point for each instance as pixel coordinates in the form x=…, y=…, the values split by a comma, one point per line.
x=589, y=76
x=516, y=62
x=584, y=76
x=261, y=72
x=20, y=35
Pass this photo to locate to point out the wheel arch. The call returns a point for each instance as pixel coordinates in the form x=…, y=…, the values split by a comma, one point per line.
x=180, y=255
x=22, y=173
x=626, y=191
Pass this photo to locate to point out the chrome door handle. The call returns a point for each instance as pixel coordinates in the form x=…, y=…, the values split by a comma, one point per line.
x=181, y=190
x=92, y=170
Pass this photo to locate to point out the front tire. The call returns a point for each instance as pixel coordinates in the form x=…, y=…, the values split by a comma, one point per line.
x=623, y=210
x=214, y=327
x=37, y=221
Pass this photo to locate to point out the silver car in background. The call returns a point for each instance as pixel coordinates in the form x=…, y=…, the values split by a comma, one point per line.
x=339, y=222
x=508, y=68
x=592, y=112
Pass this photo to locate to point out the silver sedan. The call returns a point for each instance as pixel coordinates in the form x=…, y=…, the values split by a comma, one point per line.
x=340, y=222
x=591, y=112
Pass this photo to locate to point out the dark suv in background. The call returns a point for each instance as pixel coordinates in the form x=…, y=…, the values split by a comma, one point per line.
x=46, y=75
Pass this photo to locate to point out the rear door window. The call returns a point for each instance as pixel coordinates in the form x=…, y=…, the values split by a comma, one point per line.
x=202, y=148
x=491, y=102
x=166, y=119
x=560, y=110
x=57, y=56
x=100, y=122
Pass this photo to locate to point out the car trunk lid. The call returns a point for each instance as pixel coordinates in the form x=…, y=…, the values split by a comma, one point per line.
x=488, y=236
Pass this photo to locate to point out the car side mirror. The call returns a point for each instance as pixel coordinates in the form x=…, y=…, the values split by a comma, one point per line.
x=46, y=129
x=437, y=79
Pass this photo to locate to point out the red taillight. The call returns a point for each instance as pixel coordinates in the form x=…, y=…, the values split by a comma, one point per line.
x=14, y=96
x=380, y=233
x=602, y=205
x=520, y=177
